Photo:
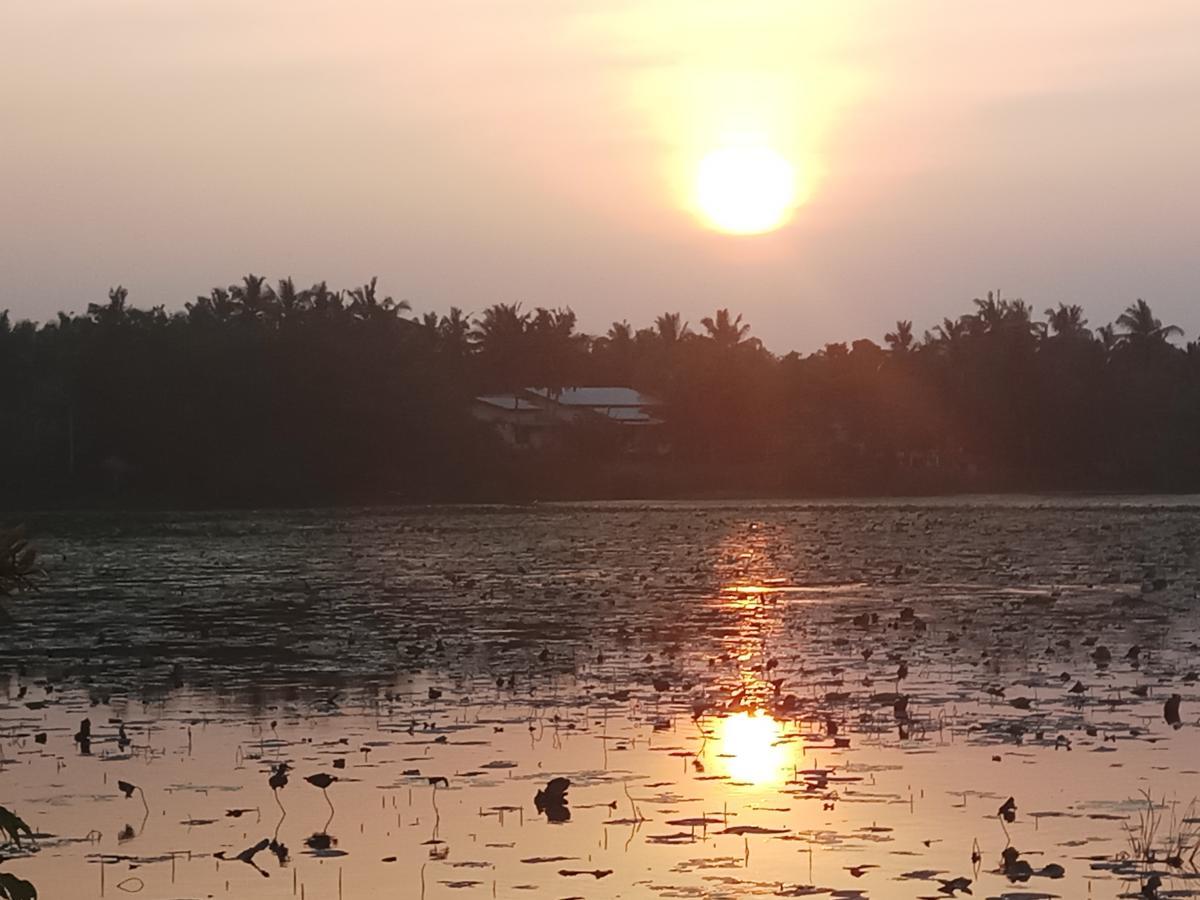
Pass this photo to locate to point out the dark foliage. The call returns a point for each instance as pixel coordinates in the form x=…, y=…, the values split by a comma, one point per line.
x=17, y=561
x=261, y=394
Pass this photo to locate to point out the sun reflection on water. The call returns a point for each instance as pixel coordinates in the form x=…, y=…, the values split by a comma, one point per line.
x=752, y=748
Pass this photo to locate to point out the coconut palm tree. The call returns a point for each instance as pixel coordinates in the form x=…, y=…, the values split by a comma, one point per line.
x=366, y=306
x=501, y=341
x=556, y=349
x=291, y=302
x=900, y=341
x=989, y=313
x=612, y=355
x=620, y=333
x=1141, y=327
x=113, y=313
x=254, y=296
x=217, y=307
x=499, y=323
x=726, y=331
x=950, y=335
x=454, y=333
x=994, y=315
x=1067, y=322
x=670, y=328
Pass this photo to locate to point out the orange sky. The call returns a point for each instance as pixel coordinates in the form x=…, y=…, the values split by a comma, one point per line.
x=545, y=151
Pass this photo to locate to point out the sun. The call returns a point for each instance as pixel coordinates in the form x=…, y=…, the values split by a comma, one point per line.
x=745, y=189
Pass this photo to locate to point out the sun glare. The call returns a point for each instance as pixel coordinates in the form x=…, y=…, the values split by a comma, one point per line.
x=749, y=745
x=745, y=189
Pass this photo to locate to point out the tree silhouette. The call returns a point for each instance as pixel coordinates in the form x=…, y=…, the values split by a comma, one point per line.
x=900, y=340
x=367, y=307
x=1141, y=327
x=671, y=329
x=1067, y=322
x=260, y=392
x=500, y=336
x=726, y=331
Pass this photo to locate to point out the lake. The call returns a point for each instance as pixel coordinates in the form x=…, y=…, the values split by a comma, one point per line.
x=869, y=699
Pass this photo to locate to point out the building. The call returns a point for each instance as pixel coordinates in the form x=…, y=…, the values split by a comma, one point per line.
x=541, y=418
x=520, y=422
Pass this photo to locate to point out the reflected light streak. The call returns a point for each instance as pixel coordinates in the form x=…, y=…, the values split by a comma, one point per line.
x=749, y=747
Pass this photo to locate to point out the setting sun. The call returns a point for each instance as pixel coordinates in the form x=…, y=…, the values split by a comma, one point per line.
x=745, y=189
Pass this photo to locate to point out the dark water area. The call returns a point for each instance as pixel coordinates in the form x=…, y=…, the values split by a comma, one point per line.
x=748, y=700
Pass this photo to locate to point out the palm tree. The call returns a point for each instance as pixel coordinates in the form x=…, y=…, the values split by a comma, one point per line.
x=620, y=334
x=995, y=315
x=499, y=323
x=1067, y=321
x=901, y=340
x=111, y=313
x=725, y=331
x=367, y=307
x=613, y=353
x=670, y=328
x=1142, y=328
x=1020, y=319
x=326, y=304
x=454, y=332
x=254, y=295
x=500, y=337
x=1109, y=339
x=557, y=323
x=949, y=335
x=555, y=347
x=989, y=314
x=291, y=301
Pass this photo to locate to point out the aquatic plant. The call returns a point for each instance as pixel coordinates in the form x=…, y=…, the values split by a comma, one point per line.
x=552, y=800
x=1171, y=711
x=1183, y=838
x=18, y=563
x=1181, y=842
x=247, y=855
x=323, y=780
x=127, y=789
x=12, y=827
x=1141, y=837
x=14, y=888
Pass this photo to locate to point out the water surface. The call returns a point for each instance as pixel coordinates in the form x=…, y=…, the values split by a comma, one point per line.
x=748, y=700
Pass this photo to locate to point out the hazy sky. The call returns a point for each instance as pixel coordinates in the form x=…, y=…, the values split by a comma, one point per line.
x=544, y=151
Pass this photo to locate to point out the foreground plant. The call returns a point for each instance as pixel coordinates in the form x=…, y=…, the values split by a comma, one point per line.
x=12, y=827
x=14, y=888
x=1178, y=848
x=17, y=568
x=18, y=561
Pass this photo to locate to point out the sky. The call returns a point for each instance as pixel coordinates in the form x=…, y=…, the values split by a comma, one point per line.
x=547, y=152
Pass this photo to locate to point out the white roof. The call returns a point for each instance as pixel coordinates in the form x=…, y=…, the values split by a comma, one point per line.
x=508, y=401
x=628, y=415
x=598, y=396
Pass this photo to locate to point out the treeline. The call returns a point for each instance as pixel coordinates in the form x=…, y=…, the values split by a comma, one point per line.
x=274, y=394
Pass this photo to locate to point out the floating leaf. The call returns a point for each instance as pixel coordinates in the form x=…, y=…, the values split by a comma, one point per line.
x=14, y=888
x=13, y=826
